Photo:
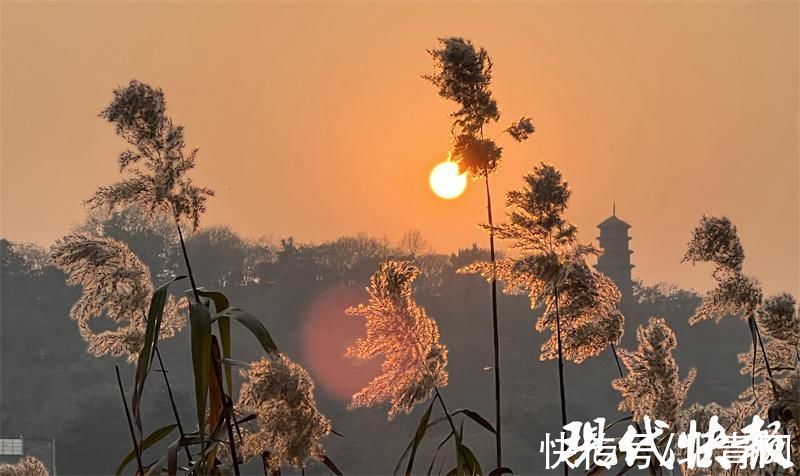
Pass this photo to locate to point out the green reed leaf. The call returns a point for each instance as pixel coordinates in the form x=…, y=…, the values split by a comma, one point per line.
x=418, y=437
x=200, y=320
x=151, y=439
x=221, y=303
x=436, y=453
x=252, y=324
x=154, y=317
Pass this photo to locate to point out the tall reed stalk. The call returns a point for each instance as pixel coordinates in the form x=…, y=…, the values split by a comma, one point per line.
x=463, y=74
x=172, y=400
x=227, y=414
x=562, y=392
x=136, y=449
x=580, y=304
x=495, y=330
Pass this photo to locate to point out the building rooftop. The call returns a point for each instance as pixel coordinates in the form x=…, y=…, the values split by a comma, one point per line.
x=613, y=221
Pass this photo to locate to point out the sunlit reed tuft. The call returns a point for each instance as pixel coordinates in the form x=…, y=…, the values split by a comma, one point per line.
x=27, y=466
x=780, y=319
x=781, y=356
x=157, y=164
x=715, y=240
x=117, y=285
x=552, y=269
x=397, y=328
x=653, y=386
x=288, y=426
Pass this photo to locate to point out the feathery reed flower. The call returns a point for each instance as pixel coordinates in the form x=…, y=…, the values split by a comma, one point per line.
x=715, y=240
x=653, y=386
x=521, y=129
x=789, y=400
x=157, y=163
x=780, y=319
x=763, y=396
x=463, y=75
x=288, y=425
x=475, y=155
x=735, y=294
x=738, y=414
x=27, y=466
x=116, y=284
x=552, y=270
x=781, y=403
x=414, y=359
x=587, y=305
x=781, y=356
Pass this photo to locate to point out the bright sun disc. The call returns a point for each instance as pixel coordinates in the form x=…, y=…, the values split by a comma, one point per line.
x=446, y=182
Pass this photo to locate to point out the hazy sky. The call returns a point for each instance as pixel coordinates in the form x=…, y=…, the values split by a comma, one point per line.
x=312, y=120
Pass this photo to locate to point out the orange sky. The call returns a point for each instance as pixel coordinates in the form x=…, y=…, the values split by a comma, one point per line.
x=312, y=120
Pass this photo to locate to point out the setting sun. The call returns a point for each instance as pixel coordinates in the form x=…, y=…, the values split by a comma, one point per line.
x=446, y=182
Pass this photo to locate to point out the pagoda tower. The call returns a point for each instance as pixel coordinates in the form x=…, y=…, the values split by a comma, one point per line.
x=615, y=259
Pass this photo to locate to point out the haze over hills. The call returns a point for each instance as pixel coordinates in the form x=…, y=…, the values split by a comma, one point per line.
x=52, y=388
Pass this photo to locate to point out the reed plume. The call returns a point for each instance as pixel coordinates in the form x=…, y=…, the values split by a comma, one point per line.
x=653, y=386
x=716, y=241
x=288, y=426
x=115, y=284
x=773, y=322
x=27, y=466
x=157, y=163
x=463, y=74
x=401, y=331
x=780, y=319
x=552, y=269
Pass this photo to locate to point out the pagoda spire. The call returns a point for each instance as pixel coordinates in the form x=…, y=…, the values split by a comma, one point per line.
x=615, y=260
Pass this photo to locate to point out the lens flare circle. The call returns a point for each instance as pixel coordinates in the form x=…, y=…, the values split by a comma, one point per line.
x=327, y=333
x=446, y=182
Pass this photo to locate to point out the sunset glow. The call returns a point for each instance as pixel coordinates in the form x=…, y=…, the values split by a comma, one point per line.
x=247, y=230
x=446, y=182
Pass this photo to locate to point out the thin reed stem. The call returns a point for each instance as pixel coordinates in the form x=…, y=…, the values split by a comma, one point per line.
x=766, y=360
x=136, y=449
x=753, y=374
x=444, y=409
x=456, y=437
x=226, y=408
x=172, y=400
x=495, y=328
x=560, y=368
x=186, y=260
x=616, y=359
